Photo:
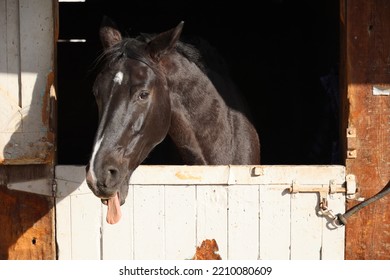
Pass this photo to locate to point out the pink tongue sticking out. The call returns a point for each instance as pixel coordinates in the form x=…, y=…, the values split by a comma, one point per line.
x=114, y=213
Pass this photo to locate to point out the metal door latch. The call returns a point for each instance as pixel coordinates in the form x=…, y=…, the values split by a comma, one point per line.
x=349, y=189
x=323, y=190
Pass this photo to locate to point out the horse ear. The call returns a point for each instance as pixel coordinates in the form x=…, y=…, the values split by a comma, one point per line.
x=164, y=42
x=109, y=33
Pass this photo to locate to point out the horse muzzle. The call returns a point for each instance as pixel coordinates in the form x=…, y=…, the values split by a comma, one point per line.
x=104, y=190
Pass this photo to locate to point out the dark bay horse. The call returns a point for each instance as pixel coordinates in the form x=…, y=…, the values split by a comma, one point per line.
x=152, y=86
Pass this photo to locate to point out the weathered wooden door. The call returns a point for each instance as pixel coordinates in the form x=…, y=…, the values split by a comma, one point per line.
x=27, y=144
x=253, y=212
x=365, y=80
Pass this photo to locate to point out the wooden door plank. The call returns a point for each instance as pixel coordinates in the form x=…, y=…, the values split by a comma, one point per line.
x=243, y=222
x=149, y=240
x=180, y=222
x=180, y=174
x=86, y=219
x=117, y=239
x=64, y=227
x=282, y=174
x=275, y=218
x=333, y=239
x=212, y=216
x=36, y=54
x=78, y=221
x=27, y=82
x=306, y=227
x=9, y=54
x=10, y=115
x=37, y=77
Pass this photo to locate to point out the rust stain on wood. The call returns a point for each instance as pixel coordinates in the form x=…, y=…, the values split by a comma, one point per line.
x=187, y=176
x=46, y=99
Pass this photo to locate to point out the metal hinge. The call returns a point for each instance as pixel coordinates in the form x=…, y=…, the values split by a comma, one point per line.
x=47, y=187
x=39, y=186
x=54, y=187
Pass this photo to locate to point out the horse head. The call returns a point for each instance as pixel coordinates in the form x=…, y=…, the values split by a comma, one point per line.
x=134, y=110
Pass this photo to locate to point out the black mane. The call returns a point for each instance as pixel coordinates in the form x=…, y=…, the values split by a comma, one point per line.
x=189, y=51
x=195, y=50
x=130, y=48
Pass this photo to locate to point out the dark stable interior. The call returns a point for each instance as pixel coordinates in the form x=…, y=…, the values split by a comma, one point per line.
x=283, y=56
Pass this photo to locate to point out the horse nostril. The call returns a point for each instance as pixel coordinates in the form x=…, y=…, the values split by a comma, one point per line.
x=113, y=172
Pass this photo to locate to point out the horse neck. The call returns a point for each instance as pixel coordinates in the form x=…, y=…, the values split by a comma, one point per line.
x=197, y=109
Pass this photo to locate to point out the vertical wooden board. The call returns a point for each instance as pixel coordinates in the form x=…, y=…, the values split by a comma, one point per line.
x=36, y=21
x=9, y=53
x=25, y=137
x=86, y=215
x=333, y=241
x=149, y=239
x=275, y=219
x=3, y=41
x=37, y=51
x=212, y=216
x=243, y=222
x=10, y=112
x=180, y=222
x=78, y=217
x=306, y=227
x=366, y=30
x=117, y=240
x=64, y=228
x=37, y=63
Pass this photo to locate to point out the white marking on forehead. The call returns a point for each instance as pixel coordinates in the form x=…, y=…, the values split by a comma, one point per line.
x=118, y=77
x=91, y=163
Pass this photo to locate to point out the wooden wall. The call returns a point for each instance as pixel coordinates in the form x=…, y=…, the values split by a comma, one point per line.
x=27, y=128
x=27, y=219
x=365, y=35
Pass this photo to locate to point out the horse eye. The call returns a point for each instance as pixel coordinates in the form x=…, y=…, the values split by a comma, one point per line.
x=143, y=95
